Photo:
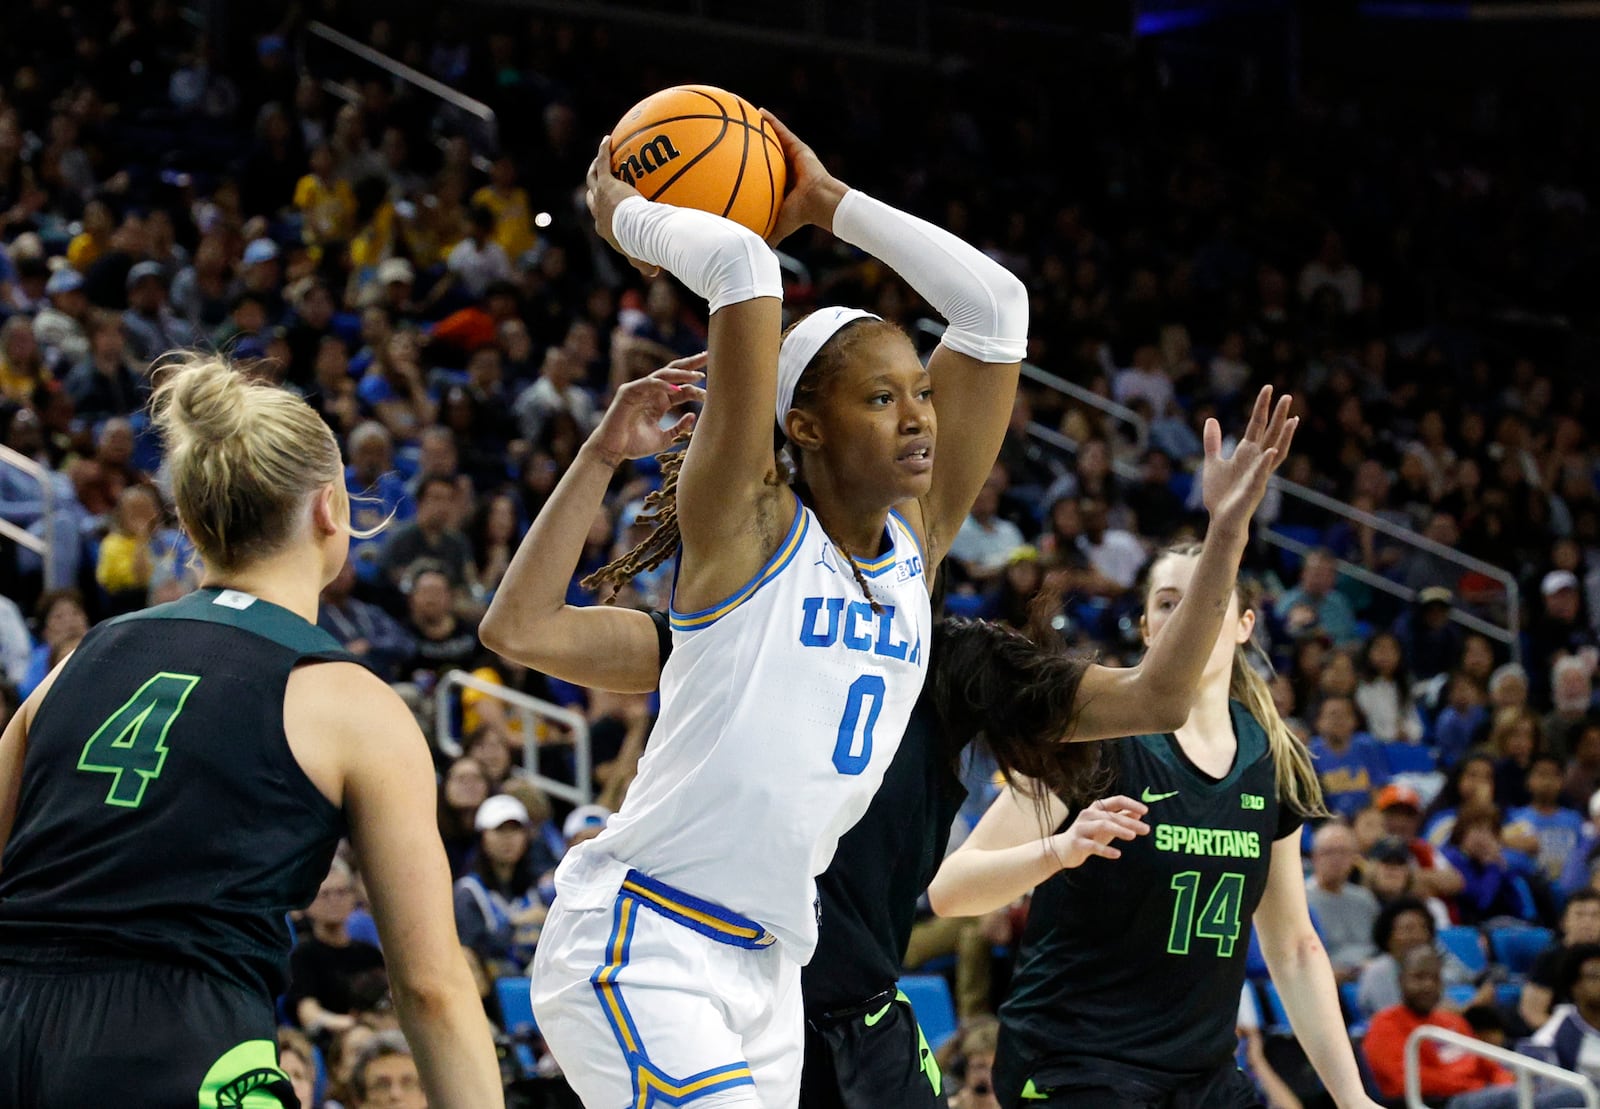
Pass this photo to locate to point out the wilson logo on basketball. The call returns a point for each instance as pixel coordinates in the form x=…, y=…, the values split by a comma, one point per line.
x=651, y=157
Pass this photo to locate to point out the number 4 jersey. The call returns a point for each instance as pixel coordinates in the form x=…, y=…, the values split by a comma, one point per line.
x=1141, y=959
x=162, y=815
x=781, y=709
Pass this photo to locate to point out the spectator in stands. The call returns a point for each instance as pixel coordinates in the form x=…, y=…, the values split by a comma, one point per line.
x=972, y=1064
x=466, y=786
x=1544, y=829
x=1403, y=926
x=333, y=978
x=201, y=292
x=494, y=534
x=1391, y=873
x=1463, y=723
x=1314, y=602
x=1445, y=1073
x=297, y=1059
x=22, y=364
x=1401, y=806
x=94, y=240
x=1471, y=782
x=16, y=645
x=377, y=496
x=508, y=203
x=364, y=629
x=444, y=641
x=326, y=203
x=1491, y=888
x=1508, y=689
x=476, y=262
x=431, y=537
x=150, y=327
x=498, y=910
x=984, y=545
x=1561, y=627
x=1513, y=741
x=62, y=621
x=394, y=388
x=1582, y=777
x=384, y=1075
x=1572, y=694
x=1345, y=912
x=62, y=327
x=556, y=390
x=1433, y=642
x=1546, y=986
x=104, y=384
x=129, y=552
x=1384, y=694
x=1571, y=1037
x=1350, y=764
x=1112, y=553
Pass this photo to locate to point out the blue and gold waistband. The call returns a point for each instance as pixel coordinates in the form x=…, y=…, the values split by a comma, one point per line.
x=713, y=921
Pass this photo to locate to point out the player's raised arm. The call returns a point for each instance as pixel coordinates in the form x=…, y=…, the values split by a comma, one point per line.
x=731, y=511
x=975, y=368
x=1157, y=694
x=529, y=620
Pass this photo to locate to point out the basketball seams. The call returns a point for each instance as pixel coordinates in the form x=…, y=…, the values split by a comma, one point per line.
x=744, y=157
x=704, y=182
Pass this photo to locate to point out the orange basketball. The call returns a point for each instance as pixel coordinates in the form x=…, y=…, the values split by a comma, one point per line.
x=701, y=147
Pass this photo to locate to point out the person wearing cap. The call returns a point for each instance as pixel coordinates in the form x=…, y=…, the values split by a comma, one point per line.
x=61, y=327
x=498, y=910
x=1561, y=628
x=261, y=273
x=1402, y=806
x=584, y=823
x=1432, y=641
x=148, y=324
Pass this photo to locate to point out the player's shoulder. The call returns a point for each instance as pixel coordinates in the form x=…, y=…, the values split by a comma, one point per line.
x=343, y=693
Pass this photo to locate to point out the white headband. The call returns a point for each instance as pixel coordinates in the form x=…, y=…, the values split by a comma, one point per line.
x=802, y=344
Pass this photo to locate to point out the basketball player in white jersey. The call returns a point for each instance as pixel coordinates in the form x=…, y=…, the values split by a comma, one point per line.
x=668, y=970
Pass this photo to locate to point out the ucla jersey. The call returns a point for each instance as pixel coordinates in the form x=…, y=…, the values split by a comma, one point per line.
x=781, y=709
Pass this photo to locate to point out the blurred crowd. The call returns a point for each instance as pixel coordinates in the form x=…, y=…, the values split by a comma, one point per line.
x=435, y=293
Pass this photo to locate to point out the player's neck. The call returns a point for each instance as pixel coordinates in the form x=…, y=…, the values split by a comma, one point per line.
x=1210, y=721
x=283, y=582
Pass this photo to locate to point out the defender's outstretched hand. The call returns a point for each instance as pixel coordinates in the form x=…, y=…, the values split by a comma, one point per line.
x=1095, y=827
x=1232, y=488
x=631, y=426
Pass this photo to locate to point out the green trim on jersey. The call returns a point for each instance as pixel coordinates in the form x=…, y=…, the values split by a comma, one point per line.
x=256, y=616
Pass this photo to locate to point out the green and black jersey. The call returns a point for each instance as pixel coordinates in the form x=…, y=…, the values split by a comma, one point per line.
x=1141, y=960
x=162, y=815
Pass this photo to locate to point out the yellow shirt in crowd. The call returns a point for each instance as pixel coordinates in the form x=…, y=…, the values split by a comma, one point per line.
x=513, y=219
x=328, y=209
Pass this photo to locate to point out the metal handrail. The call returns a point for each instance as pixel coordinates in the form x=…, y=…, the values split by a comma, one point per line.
x=1118, y=412
x=39, y=545
x=1511, y=634
x=415, y=77
x=529, y=709
x=1526, y=1069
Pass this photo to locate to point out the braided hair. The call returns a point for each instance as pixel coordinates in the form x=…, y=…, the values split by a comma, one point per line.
x=661, y=506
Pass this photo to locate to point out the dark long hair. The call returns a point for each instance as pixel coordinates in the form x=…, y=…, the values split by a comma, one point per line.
x=1019, y=700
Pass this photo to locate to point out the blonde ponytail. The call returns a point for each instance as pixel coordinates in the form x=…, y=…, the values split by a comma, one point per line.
x=1298, y=785
x=243, y=455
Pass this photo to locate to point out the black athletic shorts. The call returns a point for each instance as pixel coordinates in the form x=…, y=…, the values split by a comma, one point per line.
x=1098, y=1084
x=77, y=1032
x=869, y=1056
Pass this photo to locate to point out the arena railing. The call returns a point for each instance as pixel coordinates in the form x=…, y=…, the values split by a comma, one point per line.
x=1525, y=1068
x=21, y=536
x=1508, y=631
x=457, y=102
x=529, y=710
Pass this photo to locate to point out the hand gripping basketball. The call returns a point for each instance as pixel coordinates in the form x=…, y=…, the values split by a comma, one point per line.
x=602, y=194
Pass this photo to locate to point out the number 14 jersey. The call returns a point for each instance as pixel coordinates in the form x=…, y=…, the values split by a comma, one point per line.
x=1141, y=959
x=781, y=709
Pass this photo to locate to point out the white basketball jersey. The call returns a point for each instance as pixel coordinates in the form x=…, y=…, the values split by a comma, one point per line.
x=781, y=709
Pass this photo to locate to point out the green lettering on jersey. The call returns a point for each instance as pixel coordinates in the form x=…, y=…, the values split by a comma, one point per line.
x=1221, y=843
x=1219, y=919
x=132, y=743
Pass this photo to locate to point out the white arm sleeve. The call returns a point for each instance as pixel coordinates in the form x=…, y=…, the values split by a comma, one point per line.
x=984, y=304
x=718, y=259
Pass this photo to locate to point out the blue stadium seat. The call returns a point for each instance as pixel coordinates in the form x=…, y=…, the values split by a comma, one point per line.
x=935, y=1010
x=515, y=997
x=1507, y=995
x=1517, y=947
x=1466, y=943
x=1460, y=994
x=1274, y=1017
x=1407, y=758
x=1350, y=999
